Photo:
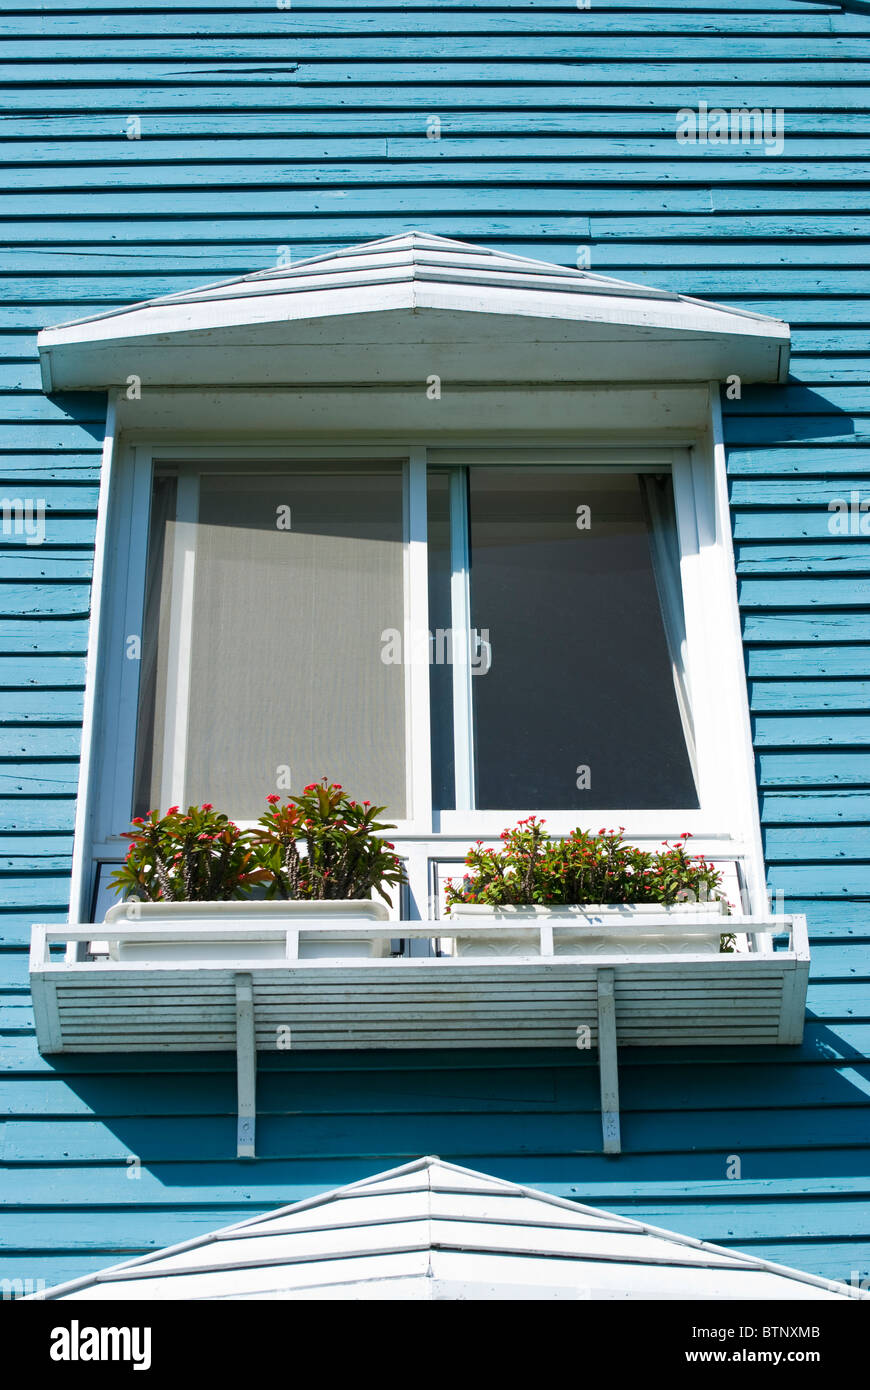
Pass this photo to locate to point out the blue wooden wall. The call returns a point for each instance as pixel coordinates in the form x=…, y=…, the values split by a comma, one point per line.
x=264, y=127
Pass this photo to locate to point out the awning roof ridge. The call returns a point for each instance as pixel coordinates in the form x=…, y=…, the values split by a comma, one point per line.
x=681, y=1252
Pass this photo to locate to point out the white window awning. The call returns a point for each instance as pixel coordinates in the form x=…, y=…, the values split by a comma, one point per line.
x=435, y=1231
x=405, y=307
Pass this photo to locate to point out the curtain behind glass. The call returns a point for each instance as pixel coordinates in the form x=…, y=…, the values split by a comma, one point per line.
x=441, y=651
x=297, y=577
x=155, y=637
x=658, y=494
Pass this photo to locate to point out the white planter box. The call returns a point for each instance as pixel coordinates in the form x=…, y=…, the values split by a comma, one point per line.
x=172, y=932
x=598, y=929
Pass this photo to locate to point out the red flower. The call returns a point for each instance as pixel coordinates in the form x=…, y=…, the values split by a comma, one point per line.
x=273, y=798
x=172, y=810
x=207, y=806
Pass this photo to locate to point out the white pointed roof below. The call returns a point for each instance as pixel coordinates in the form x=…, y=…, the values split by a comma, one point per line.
x=406, y=299
x=434, y=1231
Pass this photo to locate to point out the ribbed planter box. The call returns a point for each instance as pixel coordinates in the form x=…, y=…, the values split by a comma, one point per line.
x=172, y=932
x=591, y=929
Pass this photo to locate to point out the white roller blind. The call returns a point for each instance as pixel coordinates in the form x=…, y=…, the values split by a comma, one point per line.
x=295, y=578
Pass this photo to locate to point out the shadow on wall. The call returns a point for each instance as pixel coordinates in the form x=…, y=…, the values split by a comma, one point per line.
x=86, y=409
x=768, y=416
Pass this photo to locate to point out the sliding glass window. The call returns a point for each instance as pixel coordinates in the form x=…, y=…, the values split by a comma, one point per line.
x=563, y=684
x=279, y=642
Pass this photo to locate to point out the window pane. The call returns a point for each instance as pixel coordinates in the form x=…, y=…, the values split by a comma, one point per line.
x=296, y=577
x=441, y=650
x=580, y=675
x=152, y=664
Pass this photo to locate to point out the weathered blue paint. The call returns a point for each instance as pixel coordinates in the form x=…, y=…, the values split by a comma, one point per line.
x=557, y=131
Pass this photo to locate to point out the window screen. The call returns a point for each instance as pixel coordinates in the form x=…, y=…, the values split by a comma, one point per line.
x=267, y=599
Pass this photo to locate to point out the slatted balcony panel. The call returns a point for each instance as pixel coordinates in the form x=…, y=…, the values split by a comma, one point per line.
x=533, y=999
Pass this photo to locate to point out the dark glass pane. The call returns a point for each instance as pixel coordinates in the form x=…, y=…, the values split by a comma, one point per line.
x=581, y=675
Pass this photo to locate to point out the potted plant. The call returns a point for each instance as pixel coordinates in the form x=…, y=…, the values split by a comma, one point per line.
x=342, y=853
x=598, y=883
x=316, y=858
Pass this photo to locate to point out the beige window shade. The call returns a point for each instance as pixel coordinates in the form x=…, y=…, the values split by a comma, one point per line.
x=294, y=578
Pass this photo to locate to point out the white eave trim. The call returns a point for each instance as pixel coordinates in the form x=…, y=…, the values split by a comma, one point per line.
x=405, y=281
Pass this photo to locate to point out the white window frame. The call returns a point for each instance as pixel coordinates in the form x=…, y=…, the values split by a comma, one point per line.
x=124, y=619
x=726, y=828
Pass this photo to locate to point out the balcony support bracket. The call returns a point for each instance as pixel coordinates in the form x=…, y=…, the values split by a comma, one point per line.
x=607, y=1062
x=246, y=1066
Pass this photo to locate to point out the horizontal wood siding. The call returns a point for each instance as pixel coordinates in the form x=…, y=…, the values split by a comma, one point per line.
x=306, y=128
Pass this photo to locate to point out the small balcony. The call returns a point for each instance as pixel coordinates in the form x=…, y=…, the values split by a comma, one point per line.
x=219, y=981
